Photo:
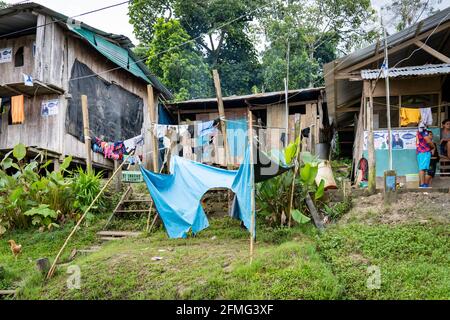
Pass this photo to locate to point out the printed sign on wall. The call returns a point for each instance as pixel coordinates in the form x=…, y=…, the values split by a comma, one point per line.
x=5, y=55
x=401, y=139
x=49, y=108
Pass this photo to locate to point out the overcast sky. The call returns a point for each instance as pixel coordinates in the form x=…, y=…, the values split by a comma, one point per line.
x=115, y=20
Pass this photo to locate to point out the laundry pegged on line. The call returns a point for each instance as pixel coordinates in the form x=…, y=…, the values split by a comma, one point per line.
x=110, y=150
x=131, y=144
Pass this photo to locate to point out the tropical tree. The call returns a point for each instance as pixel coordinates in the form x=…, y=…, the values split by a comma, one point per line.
x=173, y=58
x=309, y=34
x=220, y=29
x=405, y=13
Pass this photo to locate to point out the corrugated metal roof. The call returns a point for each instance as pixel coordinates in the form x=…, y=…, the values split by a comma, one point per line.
x=394, y=39
x=113, y=52
x=266, y=98
x=425, y=70
x=251, y=96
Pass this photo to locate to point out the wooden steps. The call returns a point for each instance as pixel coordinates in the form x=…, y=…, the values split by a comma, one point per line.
x=116, y=235
x=141, y=204
x=132, y=211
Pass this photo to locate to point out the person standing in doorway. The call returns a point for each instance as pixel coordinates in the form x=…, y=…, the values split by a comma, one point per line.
x=424, y=144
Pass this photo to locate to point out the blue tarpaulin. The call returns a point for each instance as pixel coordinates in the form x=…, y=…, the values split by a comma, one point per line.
x=177, y=195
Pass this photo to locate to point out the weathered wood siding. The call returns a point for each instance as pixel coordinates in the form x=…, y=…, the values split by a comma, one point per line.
x=56, y=52
x=9, y=73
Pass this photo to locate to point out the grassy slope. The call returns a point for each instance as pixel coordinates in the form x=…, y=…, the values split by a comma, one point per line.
x=290, y=264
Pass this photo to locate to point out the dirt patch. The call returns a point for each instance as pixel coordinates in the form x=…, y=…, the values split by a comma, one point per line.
x=413, y=207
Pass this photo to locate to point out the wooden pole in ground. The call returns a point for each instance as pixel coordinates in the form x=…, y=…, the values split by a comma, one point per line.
x=87, y=136
x=152, y=111
x=223, y=125
x=372, y=183
x=52, y=269
x=252, y=183
x=297, y=168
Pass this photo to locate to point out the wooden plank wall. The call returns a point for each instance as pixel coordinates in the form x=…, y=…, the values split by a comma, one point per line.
x=56, y=51
x=9, y=73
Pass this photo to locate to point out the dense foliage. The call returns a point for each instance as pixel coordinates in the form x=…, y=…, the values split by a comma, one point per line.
x=30, y=194
x=250, y=42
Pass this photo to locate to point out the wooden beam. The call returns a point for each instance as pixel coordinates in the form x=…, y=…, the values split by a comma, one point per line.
x=222, y=117
x=153, y=122
x=87, y=136
x=16, y=91
x=432, y=51
x=344, y=110
x=372, y=183
x=252, y=184
x=394, y=49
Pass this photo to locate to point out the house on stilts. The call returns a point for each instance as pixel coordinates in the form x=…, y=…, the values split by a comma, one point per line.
x=47, y=61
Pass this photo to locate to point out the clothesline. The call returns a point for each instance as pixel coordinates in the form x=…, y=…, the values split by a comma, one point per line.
x=153, y=124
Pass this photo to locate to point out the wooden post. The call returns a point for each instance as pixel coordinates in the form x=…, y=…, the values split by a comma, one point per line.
x=252, y=183
x=87, y=136
x=222, y=118
x=372, y=183
x=118, y=182
x=153, y=113
x=296, y=170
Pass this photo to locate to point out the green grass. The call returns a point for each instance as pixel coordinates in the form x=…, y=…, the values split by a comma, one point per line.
x=296, y=263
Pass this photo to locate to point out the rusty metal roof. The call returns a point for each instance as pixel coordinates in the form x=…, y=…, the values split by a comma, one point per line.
x=425, y=70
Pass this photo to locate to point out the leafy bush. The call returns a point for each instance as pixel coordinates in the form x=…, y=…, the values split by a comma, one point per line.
x=273, y=196
x=43, y=216
x=30, y=194
x=85, y=187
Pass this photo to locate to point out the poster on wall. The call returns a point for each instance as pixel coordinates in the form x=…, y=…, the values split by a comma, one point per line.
x=5, y=55
x=49, y=108
x=401, y=139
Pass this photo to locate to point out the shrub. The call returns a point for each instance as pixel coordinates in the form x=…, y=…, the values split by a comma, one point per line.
x=30, y=194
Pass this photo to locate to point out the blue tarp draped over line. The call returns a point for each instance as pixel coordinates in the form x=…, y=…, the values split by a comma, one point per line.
x=177, y=195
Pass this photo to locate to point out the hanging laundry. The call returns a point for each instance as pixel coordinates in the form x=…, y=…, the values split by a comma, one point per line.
x=110, y=150
x=426, y=116
x=409, y=116
x=160, y=130
x=205, y=128
x=131, y=144
x=183, y=128
x=17, y=109
x=27, y=80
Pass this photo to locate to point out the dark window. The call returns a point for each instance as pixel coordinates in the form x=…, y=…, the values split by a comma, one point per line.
x=18, y=58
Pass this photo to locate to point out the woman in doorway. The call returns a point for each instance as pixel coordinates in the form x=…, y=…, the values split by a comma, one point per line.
x=445, y=139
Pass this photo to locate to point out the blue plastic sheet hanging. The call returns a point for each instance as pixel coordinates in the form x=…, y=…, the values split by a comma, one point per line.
x=177, y=195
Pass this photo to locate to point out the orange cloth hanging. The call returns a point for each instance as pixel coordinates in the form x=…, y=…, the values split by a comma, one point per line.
x=17, y=109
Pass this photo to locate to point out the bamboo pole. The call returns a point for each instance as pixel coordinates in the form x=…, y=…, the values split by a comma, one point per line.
x=87, y=136
x=53, y=267
x=297, y=167
x=252, y=183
